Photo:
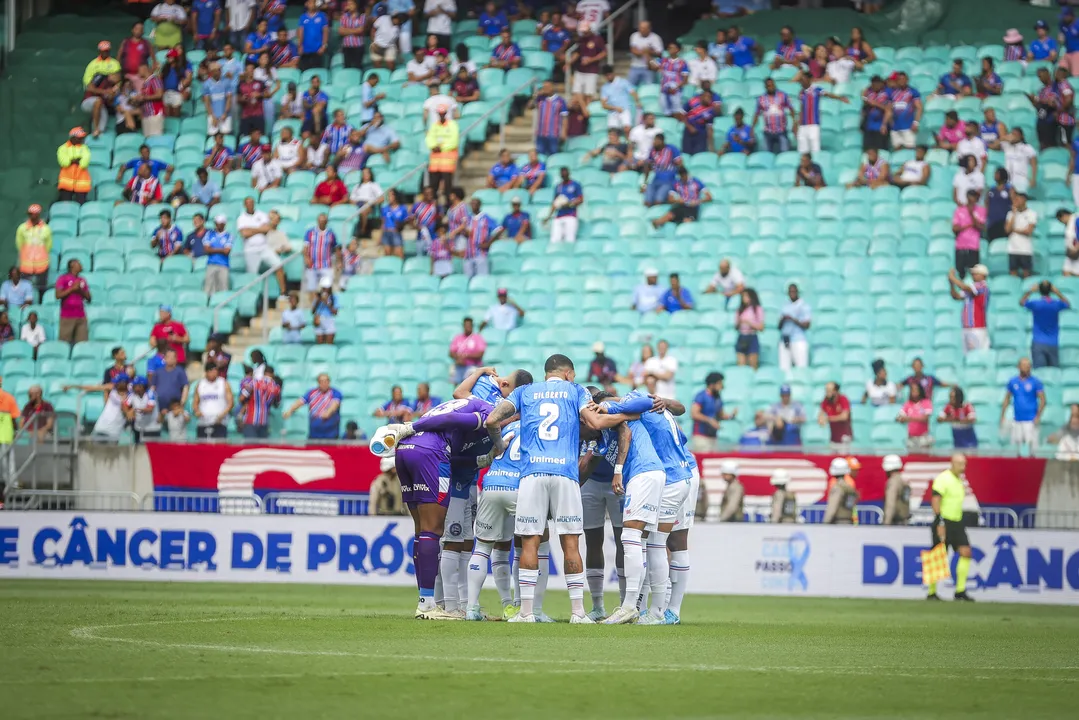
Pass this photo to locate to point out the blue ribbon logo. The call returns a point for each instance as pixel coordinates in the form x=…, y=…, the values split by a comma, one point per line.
x=798, y=552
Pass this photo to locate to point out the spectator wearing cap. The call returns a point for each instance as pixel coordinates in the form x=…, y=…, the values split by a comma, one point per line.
x=975, y=297
x=173, y=331
x=518, y=223
x=33, y=239
x=728, y=280
x=1044, y=47
x=73, y=157
x=102, y=64
x=707, y=414
x=320, y=252
x=648, y=296
x=1020, y=225
x=1046, y=309
x=968, y=221
x=324, y=313
x=602, y=369
x=686, y=198
x=587, y=60
x=786, y=418
x=140, y=405
x=774, y=106
x=323, y=410
x=835, y=413
x=443, y=140
x=293, y=320
x=73, y=292
x=880, y=390
x=956, y=83
x=676, y=297
x=217, y=245
x=167, y=239
x=267, y=172
x=176, y=76
x=504, y=315
x=1028, y=395
x=466, y=351
x=795, y=318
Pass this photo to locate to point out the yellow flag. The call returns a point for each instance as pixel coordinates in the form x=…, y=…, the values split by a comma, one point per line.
x=935, y=565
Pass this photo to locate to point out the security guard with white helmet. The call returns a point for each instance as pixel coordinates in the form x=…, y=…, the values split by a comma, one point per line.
x=730, y=510
x=784, y=504
x=896, y=492
x=842, y=498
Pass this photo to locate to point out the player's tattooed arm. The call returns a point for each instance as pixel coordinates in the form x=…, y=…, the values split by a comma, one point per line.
x=598, y=419
x=625, y=437
x=503, y=411
x=464, y=390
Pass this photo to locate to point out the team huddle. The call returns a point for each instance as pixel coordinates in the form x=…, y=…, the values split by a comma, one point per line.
x=558, y=456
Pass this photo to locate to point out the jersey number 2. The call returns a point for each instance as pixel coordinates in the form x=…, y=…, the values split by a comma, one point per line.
x=547, y=428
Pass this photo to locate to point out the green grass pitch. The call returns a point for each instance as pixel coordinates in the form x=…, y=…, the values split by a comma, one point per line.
x=156, y=650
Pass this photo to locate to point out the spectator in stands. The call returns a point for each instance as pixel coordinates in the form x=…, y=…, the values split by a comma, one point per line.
x=590, y=56
x=988, y=83
x=176, y=76
x=16, y=292
x=1020, y=159
x=1071, y=241
x=835, y=412
x=998, y=202
x=707, y=414
x=140, y=407
x=809, y=173
x=673, y=75
x=749, y=320
x=1028, y=394
x=385, y=493
x=406, y=9
x=73, y=292
x=292, y=103
x=774, y=105
x=759, y=434
x=992, y=131
x=504, y=315
x=150, y=106
x=217, y=97
x=332, y=190
x=266, y=172
x=436, y=99
x=956, y=83
x=660, y=371
x=1046, y=309
x=101, y=97
x=636, y=376
x=790, y=50
x=134, y=51
x=336, y=135
x=951, y=132
x=1045, y=47
x=253, y=224
x=353, y=28
x=968, y=178
x=466, y=351
x=257, y=394
x=169, y=21
x=686, y=198
x=968, y=221
x=394, y=218
x=170, y=382
x=1067, y=438
x=1020, y=225
x=119, y=368
x=615, y=152
x=503, y=174
x=324, y=410
x=424, y=400
x=568, y=196
x=916, y=414
x=1066, y=113
x=216, y=355
x=697, y=115
x=324, y=313
x=316, y=156
x=465, y=88
x=38, y=415
x=905, y=113
x=619, y=98
x=795, y=318
x=143, y=188
x=156, y=166
x=741, y=138
x=718, y=50
x=290, y=153
x=972, y=144
x=205, y=191
x=212, y=403
x=676, y=298
x=873, y=173
x=73, y=157
x=321, y=251
x=173, y=331
x=385, y=35
x=914, y=172
x=857, y=47
x=1013, y=46
x=293, y=320
x=398, y=409
x=219, y=157
x=1046, y=103
x=480, y=232
x=7, y=332
x=645, y=47
x=918, y=376
x=648, y=296
x=32, y=333
x=728, y=280
x=786, y=418
x=33, y=239
x=975, y=299
x=742, y=51
x=579, y=117
x=960, y=415
x=518, y=223
x=702, y=68
x=312, y=36
x=379, y=138
x=216, y=245
x=440, y=15
x=602, y=369
x=641, y=139
x=314, y=106
x=420, y=70
x=442, y=252
x=443, y=141
x=552, y=114
x=663, y=163
x=880, y=390
x=154, y=363
x=507, y=54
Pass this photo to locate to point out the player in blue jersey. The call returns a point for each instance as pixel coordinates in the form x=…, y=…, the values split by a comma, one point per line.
x=678, y=540
x=679, y=467
x=644, y=492
x=484, y=383
x=494, y=525
x=599, y=502
x=551, y=415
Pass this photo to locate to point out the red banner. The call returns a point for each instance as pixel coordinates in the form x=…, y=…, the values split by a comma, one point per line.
x=994, y=481
x=245, y=468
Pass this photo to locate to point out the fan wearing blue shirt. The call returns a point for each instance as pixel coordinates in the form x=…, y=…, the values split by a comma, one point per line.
x=1028, y=395
x=313, y=37
x=676, y=298
x=217, y=244
x=1069, y=28
x=955, y=83
x=206, y=16
x=492, y=21
x=742, y=51
x=518, y=224
x=156, y=166
x=217, y=93
x=1045, y=47
x=740, y=137
x=1046, y=309
x=257, y=43
x=503, y=173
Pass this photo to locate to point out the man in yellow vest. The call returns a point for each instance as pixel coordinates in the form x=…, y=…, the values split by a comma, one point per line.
x=948, y=526
x=34, y=241
x=443, y=140
x=74, y=160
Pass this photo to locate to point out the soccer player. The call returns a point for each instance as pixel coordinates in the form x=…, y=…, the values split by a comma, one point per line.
x=422, y=459
x=598, y=500
x=667, y=444
x=551, y=415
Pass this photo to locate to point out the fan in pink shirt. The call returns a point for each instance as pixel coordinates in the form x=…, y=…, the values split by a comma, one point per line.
x=951, y=132
x=466, y=351
x=916, y=413
x=967, y=224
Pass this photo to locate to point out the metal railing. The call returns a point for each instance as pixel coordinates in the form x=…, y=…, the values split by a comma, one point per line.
x=1049, y=519
x=12, y=471
x=86, y=500
x=201, y=502
x=604, y=23
x=263, y=278
x=293, y=503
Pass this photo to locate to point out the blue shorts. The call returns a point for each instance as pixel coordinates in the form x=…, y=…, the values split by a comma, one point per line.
x=657, y=192
x=547, y=145
x=747, y=345
x=392, y=238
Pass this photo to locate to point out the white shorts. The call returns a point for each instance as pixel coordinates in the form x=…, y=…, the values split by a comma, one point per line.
x=975, y=339
x=153, y=125
x=643, y=495
x=312, y=277
x=1071, y=266
x=598, y=502
x=1025, y=433
x=1020, y=183
x=213, y=128
x=689, y=507
x=564, y=229
x=585, y=83
x=257, y=257
x=809, y=139
x=459, y=517
x=904, y=139
x=672, y=501
x=543, y=496
x=495, y=515
x=173, y=98
x=619, y=120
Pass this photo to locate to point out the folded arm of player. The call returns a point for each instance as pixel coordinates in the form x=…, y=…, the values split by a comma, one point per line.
x=464, y=390
x=625, y=437
x=659, y=404
x=503, y=411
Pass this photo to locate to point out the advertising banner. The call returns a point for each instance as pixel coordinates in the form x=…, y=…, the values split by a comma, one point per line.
x=744, y=559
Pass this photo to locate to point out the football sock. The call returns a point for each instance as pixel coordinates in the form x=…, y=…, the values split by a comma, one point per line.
x=544, y=571
x=515, y=583
x=658, y=571
x=575, y=585
x=426, y=563
x=679, y=579
x=595, y=588
x=477, y=571
x=633, y=552
x=962, y=568
x=462, y=579
x=450, y=566
x=528, y=590
x=932, y=588
x=500, y=567
x=621, y=572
